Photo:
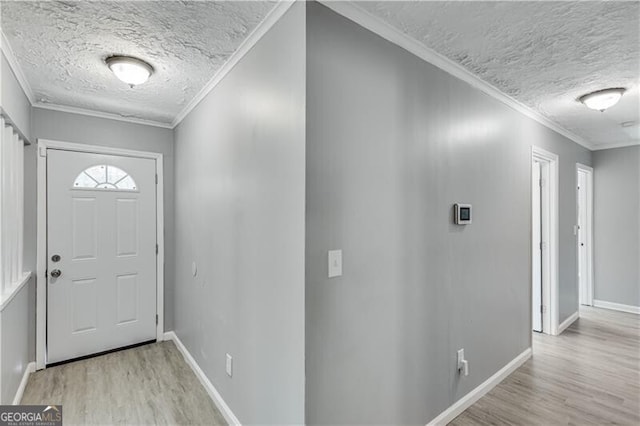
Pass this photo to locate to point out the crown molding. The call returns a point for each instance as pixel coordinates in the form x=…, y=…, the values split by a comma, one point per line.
x=601, y=146
x=355, y=13
x=100, y=114
x=258, y=32
x=6, y=49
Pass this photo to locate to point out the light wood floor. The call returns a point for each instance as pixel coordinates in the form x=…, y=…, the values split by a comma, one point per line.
x=589, y=375
x=150, y=384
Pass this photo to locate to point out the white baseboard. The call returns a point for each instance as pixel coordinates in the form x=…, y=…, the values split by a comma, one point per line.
x=566, y=323
x=616, y=306
x=31, y=368
x=469, y=399
x=211, y=390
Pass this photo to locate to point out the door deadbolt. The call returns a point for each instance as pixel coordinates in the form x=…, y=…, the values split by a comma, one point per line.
x=56, y=273
x=55, y=258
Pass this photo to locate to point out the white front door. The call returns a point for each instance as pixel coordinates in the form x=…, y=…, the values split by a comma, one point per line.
x=101, y=253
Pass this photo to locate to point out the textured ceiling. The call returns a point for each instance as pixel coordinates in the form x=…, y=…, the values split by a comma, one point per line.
x=61, y=45
x=543, y=54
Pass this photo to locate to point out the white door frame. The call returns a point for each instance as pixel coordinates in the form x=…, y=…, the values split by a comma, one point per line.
x=41, y=286
x=589, y=229
x=550, y=236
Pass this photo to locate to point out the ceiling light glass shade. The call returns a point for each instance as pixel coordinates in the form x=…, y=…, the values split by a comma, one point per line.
x=132, y=71
x=602, y=99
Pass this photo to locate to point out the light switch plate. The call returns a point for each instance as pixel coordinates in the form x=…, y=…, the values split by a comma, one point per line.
x=335, y=263
x=229, y=366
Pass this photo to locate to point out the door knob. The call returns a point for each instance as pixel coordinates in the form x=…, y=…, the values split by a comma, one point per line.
x=56, y=273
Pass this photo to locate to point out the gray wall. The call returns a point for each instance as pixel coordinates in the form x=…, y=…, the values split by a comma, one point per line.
x=617, y=225
x=17, y=327
x=15, y=349
x=84, y=129
x=392, y=144
x=13, y=100
x=240, y=216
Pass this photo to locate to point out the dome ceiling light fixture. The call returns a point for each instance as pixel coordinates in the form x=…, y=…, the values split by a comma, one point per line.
x=602, y=99
x=132, y=71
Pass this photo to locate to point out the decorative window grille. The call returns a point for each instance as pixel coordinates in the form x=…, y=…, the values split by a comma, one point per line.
x=104, y=176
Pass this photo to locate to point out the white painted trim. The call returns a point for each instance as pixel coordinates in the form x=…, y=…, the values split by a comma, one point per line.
x=7, y=298
x=601, y=146
x=550, y=291
x=160, y=242
x=472, y=397
x=206, y=383
x=8, y=120
x=31, y=368
x=41, y=257
x=41, y=291
x=100, y=114
x=5, y=47
x=616, y=306
x=355, y=13
x=590, y=268
x=566, y=323
x=258, y=32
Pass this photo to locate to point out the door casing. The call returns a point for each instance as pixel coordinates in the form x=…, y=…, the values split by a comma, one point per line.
x=550, y=215
x=537, y=294
x=41, y=292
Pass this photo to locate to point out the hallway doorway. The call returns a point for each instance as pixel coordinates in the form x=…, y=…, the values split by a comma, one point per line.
x=544, y=241
x=584, y=195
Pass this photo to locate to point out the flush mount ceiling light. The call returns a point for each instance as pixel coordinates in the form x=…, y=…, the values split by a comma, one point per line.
x=132, y=71
x=602, y=99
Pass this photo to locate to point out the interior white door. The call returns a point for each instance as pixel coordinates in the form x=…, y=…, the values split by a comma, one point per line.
x=536, y=246
x=582, y=238
x=101, y=253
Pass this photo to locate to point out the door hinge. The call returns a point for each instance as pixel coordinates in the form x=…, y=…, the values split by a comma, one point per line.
x=156, y=179
x=156, y=319
x=541, y=182
x=42, y=151
x=156, y=249
x=46, y=273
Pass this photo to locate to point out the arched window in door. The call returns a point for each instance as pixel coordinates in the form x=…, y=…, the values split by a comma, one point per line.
x=105, y=176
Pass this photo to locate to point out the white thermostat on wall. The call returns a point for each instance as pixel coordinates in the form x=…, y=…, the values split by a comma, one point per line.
x=462, y=214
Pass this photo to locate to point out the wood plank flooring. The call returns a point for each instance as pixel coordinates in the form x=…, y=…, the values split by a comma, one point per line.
x=150, y=384
x=589, y=375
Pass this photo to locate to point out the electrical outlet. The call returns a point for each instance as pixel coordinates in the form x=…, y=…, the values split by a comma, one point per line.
x=229, y=366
